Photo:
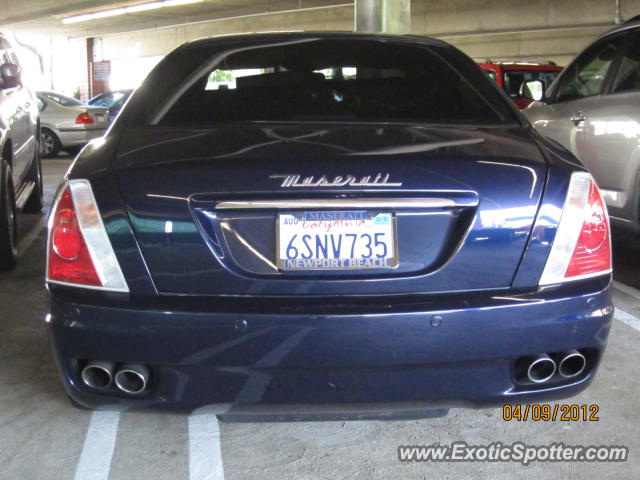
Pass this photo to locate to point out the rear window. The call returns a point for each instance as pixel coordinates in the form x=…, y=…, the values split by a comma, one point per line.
x=316, y=80
x=63, y=99
x=108, y=100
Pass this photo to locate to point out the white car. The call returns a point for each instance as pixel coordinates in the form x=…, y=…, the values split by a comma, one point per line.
x=66, y=122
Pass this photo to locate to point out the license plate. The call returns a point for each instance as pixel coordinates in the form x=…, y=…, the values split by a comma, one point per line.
x=332, y=240
x=101, y=118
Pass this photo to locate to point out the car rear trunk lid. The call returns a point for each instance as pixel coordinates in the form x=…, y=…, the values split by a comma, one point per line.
x=206, y=205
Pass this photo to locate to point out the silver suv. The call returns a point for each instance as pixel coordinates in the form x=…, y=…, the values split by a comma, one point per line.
x=593, y=109
x=20, y=168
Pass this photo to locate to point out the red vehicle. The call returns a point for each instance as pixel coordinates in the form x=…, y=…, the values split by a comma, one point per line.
x=511, y=75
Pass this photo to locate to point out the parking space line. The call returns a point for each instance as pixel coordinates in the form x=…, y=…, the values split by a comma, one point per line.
x=99, y=443
x=205, y=453
x=627, y=318
x=28, y=239
x=633, y=292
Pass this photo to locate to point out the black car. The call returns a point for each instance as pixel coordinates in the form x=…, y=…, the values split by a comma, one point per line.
x=21, y=173
x=113, y=100
x=326, y=224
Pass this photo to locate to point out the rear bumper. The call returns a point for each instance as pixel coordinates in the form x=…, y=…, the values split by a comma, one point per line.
x=397, y=361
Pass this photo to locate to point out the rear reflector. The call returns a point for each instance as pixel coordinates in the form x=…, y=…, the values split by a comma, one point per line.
x=79, y=252
x=582, y=245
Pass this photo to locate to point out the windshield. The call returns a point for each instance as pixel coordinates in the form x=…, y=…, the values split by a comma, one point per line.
x=63, y=99
x=513, y=79
x=108, y=99
x=321, y=80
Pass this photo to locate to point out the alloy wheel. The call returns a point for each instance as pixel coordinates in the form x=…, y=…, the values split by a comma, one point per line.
x=47, y=144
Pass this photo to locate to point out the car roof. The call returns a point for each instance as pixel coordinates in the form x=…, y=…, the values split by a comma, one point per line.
x=523, y=63
x=632, y=23
x=121, y=90
x=266, y=36
x=47, y=93
x=126, y=91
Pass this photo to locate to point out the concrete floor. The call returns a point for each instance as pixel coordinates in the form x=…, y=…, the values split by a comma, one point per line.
x=43, y=437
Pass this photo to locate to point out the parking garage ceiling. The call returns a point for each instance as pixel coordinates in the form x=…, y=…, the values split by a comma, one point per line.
x=99, y=17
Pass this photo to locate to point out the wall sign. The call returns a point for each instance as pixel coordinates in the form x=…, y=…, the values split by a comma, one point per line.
x=101, y=71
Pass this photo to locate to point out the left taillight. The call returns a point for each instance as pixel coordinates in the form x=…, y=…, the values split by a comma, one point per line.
x=79, y=252
x=84, y=119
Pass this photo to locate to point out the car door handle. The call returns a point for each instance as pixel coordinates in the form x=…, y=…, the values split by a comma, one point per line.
x=577, y=118
x=27, y=105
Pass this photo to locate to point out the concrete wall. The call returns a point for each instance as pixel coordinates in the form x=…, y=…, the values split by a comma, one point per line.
x=518, y=29
x=543, y=29
x=12, y=11
x=162, y=41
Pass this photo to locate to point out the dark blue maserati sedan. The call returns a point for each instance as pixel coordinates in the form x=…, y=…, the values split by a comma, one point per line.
x=325, y=224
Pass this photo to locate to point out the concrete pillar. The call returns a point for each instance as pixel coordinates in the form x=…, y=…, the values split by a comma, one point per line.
x=383, y=16
x=89, y=47
x=98, y=71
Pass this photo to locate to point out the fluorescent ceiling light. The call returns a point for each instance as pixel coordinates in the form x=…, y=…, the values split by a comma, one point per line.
x=141, y=7
x=144, y=7
x=77, y=18
x=109, y=13
x=175, y=3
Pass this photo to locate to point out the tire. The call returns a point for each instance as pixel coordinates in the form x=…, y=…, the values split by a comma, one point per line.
x=34, y=203
x=49, y=143
x=73, y=151
x=8, y=220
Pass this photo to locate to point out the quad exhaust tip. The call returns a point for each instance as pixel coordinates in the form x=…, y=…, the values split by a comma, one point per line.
x=541, y=368
x=572, y=364
x=131, y=378
x=98, y=374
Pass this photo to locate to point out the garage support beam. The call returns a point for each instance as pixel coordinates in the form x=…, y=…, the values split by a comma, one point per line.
x=383, y=16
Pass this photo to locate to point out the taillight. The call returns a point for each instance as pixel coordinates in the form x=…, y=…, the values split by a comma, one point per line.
x=582, y=245
x=84, y=119
x=79, y=252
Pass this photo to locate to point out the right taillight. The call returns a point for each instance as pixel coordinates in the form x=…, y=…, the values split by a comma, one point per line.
x=582, y=245
x=79, y=252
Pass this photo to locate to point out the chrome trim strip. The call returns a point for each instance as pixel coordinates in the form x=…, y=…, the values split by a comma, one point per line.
x=366, y=203
x=90, y=287
x=81, y=129
x=24, y=194
x=620, y=219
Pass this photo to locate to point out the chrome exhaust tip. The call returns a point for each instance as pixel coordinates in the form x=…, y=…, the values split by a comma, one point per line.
x=572, y=364
x=541, y=368
x=98, y=374
x=131, y=378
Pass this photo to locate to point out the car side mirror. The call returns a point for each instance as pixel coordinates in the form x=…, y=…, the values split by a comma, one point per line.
x=10, y=74
x=533, y=90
